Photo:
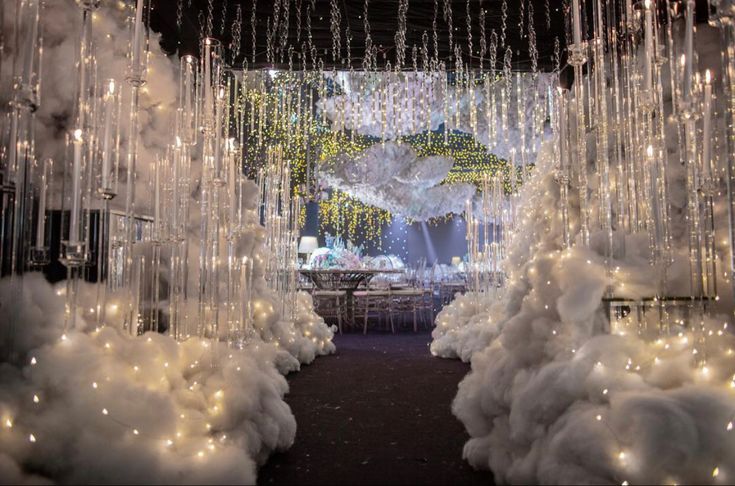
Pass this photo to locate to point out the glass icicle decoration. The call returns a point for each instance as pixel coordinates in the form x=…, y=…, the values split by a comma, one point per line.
x=400, y=35
x=504, y=21
x=335, y=20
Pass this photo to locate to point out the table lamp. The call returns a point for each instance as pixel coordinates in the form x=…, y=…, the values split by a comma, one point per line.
x=307, y=245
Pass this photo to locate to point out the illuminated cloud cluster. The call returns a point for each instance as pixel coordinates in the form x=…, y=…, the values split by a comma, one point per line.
x=554, y=398
x=96, y=406
x=391, y=176
x=61, y=25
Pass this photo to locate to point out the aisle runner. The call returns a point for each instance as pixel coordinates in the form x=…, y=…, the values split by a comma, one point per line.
x=376, y=412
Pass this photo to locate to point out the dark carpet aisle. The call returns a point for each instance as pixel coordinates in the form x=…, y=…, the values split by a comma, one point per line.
x=377, y=412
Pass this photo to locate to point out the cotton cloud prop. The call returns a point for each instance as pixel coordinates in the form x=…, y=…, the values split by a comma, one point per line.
x=96, y=406
x=553, y=398
x=390, y=176
x=61, y=25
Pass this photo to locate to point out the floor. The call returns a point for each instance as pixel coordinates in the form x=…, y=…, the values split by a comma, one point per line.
x=376, y=412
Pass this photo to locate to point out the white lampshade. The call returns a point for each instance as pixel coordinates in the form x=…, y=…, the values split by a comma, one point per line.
x=308, y=244
x=456, y=261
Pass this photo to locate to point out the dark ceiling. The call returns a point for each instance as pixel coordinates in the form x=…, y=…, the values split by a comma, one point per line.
x=548, y=19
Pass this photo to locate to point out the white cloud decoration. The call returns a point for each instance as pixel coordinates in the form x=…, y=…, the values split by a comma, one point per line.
x=391, y=176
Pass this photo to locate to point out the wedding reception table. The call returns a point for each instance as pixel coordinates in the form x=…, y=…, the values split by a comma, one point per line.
x=347, y=280
x=344, y=279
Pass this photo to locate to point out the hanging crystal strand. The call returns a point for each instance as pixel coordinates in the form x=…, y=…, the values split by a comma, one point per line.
x=136, y=78
x=505, y=93
x=450, y=29
x=491, y=93
x=504, y=20
x=458, y=87
x=521, y=122
x=486, y=214
x=473, y=106
x=76, y=200
x=384, y=106
x=335, y=19
x=578, y=58
x=19, y=160
x=488, y=98
x=445, y=91
x=722, y=15
x=400, y=35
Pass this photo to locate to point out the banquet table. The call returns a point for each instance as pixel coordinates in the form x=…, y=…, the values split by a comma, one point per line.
x=345, y=279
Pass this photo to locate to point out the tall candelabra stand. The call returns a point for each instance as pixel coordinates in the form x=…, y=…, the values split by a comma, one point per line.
x=622, y=92
x=722, y=15
x=176, y=205
x=106, y=167
x=19, y=156
x=77, y=191
x=280, y=216
x=136, y=79
x=19, y=167
x=578, y=58
x=214, y=96
x=563, y=156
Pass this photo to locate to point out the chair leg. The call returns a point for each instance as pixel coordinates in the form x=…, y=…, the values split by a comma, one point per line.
x=339, y=314
x=392, y=328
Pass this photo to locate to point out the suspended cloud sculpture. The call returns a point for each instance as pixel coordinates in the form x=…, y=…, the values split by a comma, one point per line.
x=391, y=176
